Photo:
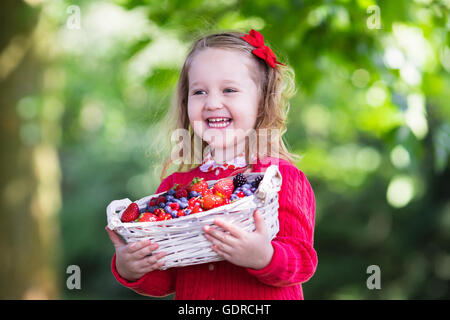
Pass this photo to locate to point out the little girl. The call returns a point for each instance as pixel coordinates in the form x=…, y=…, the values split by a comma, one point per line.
x=231, y=85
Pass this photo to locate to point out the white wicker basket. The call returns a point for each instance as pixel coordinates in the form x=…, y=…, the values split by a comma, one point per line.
x=182, y=239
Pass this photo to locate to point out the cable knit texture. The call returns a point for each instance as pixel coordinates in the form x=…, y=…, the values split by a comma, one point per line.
x=294, y=260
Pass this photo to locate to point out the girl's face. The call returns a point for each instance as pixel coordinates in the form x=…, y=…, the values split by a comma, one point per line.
x=222, y=97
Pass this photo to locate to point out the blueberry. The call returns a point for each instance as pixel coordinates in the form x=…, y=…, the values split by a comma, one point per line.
x=171, y=192
x=173, y=214
x=239, y=189
x=183, y=199
x=162, y=205
x=193, y=194
x=167, y=209
x=252, y=189
x=247, y=192
x=151, y=209
x=184, y=205
x=234, y=197
x=188, y=212
x=170, y=198
x=246, y=186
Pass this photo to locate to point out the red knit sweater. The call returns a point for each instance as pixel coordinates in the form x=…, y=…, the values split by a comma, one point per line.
x=294, y=259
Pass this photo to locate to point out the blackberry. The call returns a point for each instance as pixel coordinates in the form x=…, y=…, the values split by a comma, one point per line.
x=256, y=182
x=239, y=180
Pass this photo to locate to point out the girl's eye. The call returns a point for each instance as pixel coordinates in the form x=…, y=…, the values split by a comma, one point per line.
x=198, y=92
x=230, y=90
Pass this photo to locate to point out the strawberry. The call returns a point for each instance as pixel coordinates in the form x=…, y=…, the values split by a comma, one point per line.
x=148, y=217
x=199, y=185
x=196, y=209
x=164, y=216
x=131, y=213
x=159, y=212
x=211, y=201
x=180, y=213
x=224, y=188
x=206, y=192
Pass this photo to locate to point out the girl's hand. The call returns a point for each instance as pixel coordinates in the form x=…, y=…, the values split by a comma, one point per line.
x=242, y=248
x=135, y=259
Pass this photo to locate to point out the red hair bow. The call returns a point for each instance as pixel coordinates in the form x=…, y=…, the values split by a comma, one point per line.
x=262, y=51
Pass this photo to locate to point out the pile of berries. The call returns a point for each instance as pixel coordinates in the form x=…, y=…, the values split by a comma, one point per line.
x=192, y=198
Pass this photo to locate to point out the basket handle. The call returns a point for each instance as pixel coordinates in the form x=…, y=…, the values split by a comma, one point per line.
x=272, y=181
x=112, y=212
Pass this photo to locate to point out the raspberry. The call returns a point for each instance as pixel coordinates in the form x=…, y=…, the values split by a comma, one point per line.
x=181, y=193
x=161, y=199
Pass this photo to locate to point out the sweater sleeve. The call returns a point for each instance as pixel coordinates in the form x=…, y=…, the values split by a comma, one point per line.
x=294, y=259
x=157, y=283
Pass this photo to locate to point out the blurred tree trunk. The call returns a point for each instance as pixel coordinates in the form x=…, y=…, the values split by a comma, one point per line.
x=29, y=176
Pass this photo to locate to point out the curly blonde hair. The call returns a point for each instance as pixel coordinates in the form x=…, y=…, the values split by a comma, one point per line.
x=276, y=86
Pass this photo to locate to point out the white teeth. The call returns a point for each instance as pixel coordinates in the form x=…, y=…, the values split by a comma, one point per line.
x=218, y=122
x=217, y=119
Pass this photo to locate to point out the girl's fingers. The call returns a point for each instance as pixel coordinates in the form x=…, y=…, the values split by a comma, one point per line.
x=260, y=225
x=231, y=228
x=219, y=235
x=154, y=258
x=152, y=262
x=218, y=244
x=136, y=246
x=221, y=252
x=145, y=251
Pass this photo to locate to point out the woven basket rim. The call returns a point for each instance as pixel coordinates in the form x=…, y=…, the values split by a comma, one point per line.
x=188, y=217
x=113, y=216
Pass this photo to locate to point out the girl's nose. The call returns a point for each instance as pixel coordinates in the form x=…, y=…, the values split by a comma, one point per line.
x=213, y=102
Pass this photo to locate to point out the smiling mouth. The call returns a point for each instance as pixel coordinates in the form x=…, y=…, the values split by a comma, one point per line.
x=218, y=122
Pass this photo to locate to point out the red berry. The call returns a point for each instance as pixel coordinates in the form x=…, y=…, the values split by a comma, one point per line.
x=196, y=209
x=177, y=187
x=153, y=202
x=181, y=193
x=198, y=185
x=180, y=213
x=160, y=199
x=148, y=217
x=224, y=188
x=194, y=201
x=174, y=206
x=159, y=211
x=131, y=213
x=211, y=201
x=240, y=194
x=164, y=216
x=207, y=192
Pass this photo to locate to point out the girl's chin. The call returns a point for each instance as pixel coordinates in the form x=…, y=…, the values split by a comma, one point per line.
x=222, y=138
